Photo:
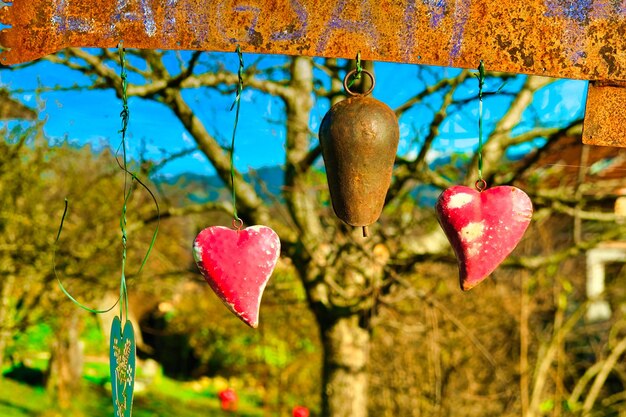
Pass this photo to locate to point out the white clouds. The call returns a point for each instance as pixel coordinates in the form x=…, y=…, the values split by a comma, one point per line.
x=187, y=140
x=268, y=108
x=405, y=130
x=246, y=96
x=434, y=154
x=152, y=149
x=199, y=156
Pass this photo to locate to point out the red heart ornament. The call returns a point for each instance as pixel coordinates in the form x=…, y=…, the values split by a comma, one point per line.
x=483, y=227
x=237, y=265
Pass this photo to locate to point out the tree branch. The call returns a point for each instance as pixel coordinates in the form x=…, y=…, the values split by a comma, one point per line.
x=495, y=146
x=302, y=204
x=158, y=85
x=573, y=129
x=606, y=368
x=310, y=158
x=249, y=203
x=419, y=164
x=536, y=262
x=191, y=209
x=430, y=90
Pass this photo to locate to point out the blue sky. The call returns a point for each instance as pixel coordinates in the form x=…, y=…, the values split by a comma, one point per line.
x=93, y=116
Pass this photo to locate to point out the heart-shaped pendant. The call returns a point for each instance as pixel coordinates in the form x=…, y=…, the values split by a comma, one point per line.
x=122, y=364
x=237, y=265
x=483, y=227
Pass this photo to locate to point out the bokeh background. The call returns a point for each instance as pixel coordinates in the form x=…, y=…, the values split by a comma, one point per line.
x=531, y=340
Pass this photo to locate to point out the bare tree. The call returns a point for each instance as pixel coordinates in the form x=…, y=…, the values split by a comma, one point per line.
x=348, y=279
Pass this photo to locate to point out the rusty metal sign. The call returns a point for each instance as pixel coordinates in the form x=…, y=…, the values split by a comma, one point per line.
x=581, y=39
x=604, y=121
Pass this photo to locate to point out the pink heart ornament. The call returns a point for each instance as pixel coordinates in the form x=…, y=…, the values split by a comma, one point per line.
x=237, y=265
x=483, y=227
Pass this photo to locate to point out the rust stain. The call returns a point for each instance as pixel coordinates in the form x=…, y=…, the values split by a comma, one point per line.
x=579, y=39
x=359, y=138
x=545, y=37
x=605, y=115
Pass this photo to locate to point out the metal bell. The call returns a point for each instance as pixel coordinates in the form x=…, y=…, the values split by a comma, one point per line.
x=359, y=138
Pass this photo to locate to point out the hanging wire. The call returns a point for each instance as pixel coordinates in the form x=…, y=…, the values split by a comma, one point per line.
x=54, y=268
x=359, y=70
x=480, y=184
x=237, y=222
x=125, y=113
x=124, y=116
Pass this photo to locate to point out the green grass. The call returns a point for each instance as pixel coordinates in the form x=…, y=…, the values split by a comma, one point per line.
x=20, y=400
x=164, y=398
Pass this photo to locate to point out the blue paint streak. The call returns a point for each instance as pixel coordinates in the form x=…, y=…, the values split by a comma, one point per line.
x=198, y=22
x=121, y=15
x=577, y=10
x=337, y=23
x=461, y=14
x=147, y=16
x=256, y=13
x=409, y=43
x=303, y=17
x=73, y=24
x=148, y=21
x=579, y=13
x=436, y=10
x=251, y=30
x=169, y=25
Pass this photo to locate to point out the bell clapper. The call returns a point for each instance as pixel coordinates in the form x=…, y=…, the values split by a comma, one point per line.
x=366, y=231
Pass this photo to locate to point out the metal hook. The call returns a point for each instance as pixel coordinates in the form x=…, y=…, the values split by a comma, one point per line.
x=237, y=224
x=480, y=185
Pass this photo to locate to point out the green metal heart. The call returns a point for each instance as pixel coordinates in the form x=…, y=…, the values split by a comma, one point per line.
x=122, y=364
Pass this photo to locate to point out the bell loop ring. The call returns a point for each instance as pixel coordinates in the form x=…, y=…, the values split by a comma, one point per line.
x=480, y=185
x=352, y=93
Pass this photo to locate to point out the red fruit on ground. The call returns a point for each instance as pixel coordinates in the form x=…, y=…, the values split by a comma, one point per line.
x=300, y=411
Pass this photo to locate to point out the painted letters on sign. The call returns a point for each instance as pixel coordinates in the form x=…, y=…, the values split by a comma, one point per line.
x=573, y=39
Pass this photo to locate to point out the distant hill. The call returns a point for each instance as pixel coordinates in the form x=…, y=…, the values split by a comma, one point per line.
x=267, y=181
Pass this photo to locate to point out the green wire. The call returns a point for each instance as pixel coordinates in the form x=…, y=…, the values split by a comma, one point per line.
x=54, y=268
x=236, y=103
x=359, y=70
x=481, y=84
x=125, y=116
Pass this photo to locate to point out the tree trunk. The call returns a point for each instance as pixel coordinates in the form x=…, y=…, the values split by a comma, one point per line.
x=66, y=362
x=344, y=377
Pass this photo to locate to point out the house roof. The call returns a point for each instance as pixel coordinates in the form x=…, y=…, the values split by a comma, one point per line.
x=11, y=109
